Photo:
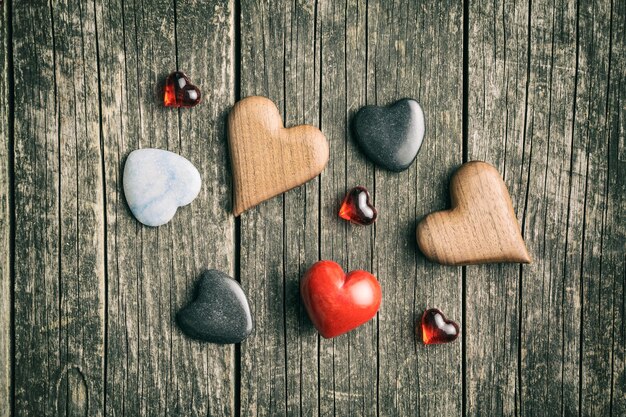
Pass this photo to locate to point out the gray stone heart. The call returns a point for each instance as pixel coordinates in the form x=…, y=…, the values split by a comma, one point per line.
x=220, y=312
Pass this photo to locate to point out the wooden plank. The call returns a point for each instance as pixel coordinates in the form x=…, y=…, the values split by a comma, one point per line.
x=279, y=238
x=567, y=203
x=59, y=260
x=348, y=363
x=301, y=208
x=550, y=290
x=415, y=50
x=563, y=201
x=530, y=139
x=497, y=85
x=152, y=367
x=205, y=48
x=615, y=235
x=5, y=220
x=602, y=265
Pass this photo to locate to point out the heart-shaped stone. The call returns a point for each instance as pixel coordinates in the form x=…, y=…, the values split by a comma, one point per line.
x=157, y=182
x=436, y=329
x=338, y=302
x=481, y=226
x=268, y=159
x=357, y=208
x=180, y=92
x=220, y=312
x=390, y=136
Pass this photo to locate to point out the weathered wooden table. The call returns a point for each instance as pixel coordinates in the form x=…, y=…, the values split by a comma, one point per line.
x=88, y=295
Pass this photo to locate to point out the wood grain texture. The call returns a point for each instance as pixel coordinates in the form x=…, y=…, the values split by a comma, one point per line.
x=5, y=220
x=540, y=176
x=268, y=159
x=498, y=53
x=301, y=208
x=59, y=327
x=415, y=50
x=545, y=137
x=262, y=231
x=95, y=293
x=480, y=227
x=348, y=364
x=601, y=266
x=152, y=367
x=615, y=231
x=550, y=287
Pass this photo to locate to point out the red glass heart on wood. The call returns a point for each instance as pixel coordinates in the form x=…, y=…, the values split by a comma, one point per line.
x=179, y=92
x=356, y=207
x=436, y=329
x=338, y=302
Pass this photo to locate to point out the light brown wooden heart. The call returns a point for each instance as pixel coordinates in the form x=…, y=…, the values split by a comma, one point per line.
x=481, y=226
x=268, y=159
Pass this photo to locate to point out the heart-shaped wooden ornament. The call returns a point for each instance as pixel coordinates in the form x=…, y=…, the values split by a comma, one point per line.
x=481, y=226
x=268, y=159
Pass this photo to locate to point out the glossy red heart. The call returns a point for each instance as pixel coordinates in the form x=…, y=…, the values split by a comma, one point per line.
x=356, y=207
x=180, y=92
x=437, y=329
x=338, y=302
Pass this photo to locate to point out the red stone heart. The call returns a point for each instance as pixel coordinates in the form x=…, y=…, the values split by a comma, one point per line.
x=356, y=207
x=436, y=329
x=179, y=92
x=338, y=302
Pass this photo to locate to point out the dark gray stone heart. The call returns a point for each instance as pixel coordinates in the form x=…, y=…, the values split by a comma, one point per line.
x=390, y=136
x=220, y=313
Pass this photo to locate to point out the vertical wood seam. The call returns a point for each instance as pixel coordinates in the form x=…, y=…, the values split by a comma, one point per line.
x=11, y=196
x=348, y=265
x=520, y=329
x=547, y=352
x=58, y=196
x=236, y=62
x=580, y=281
x=284, y=210
x=464, y=152
x=606, y=207
x=576, y=70
x=104, y=218
x=317, y=41
x=172, y=258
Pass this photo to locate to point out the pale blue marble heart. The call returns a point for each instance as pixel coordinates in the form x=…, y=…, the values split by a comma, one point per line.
x=157, y=182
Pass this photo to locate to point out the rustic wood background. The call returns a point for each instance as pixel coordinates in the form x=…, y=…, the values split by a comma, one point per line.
x=88, y=295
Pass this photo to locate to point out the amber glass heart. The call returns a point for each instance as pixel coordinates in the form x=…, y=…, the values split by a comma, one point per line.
x=437, y=329
x=356, y=207
x=180, y=92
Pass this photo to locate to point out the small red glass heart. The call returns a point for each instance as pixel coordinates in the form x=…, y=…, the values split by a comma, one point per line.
x=436, y=329
x=356, y=207
x=179, y=92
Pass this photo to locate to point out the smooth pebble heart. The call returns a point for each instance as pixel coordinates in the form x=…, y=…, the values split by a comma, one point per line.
x=268, y=159
x=357, y=208
x=437, y=329
x=179, y=91
x=481, y=226
x=390, y=136
x=219, y=313
x=157, y=182
x=338, y=302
